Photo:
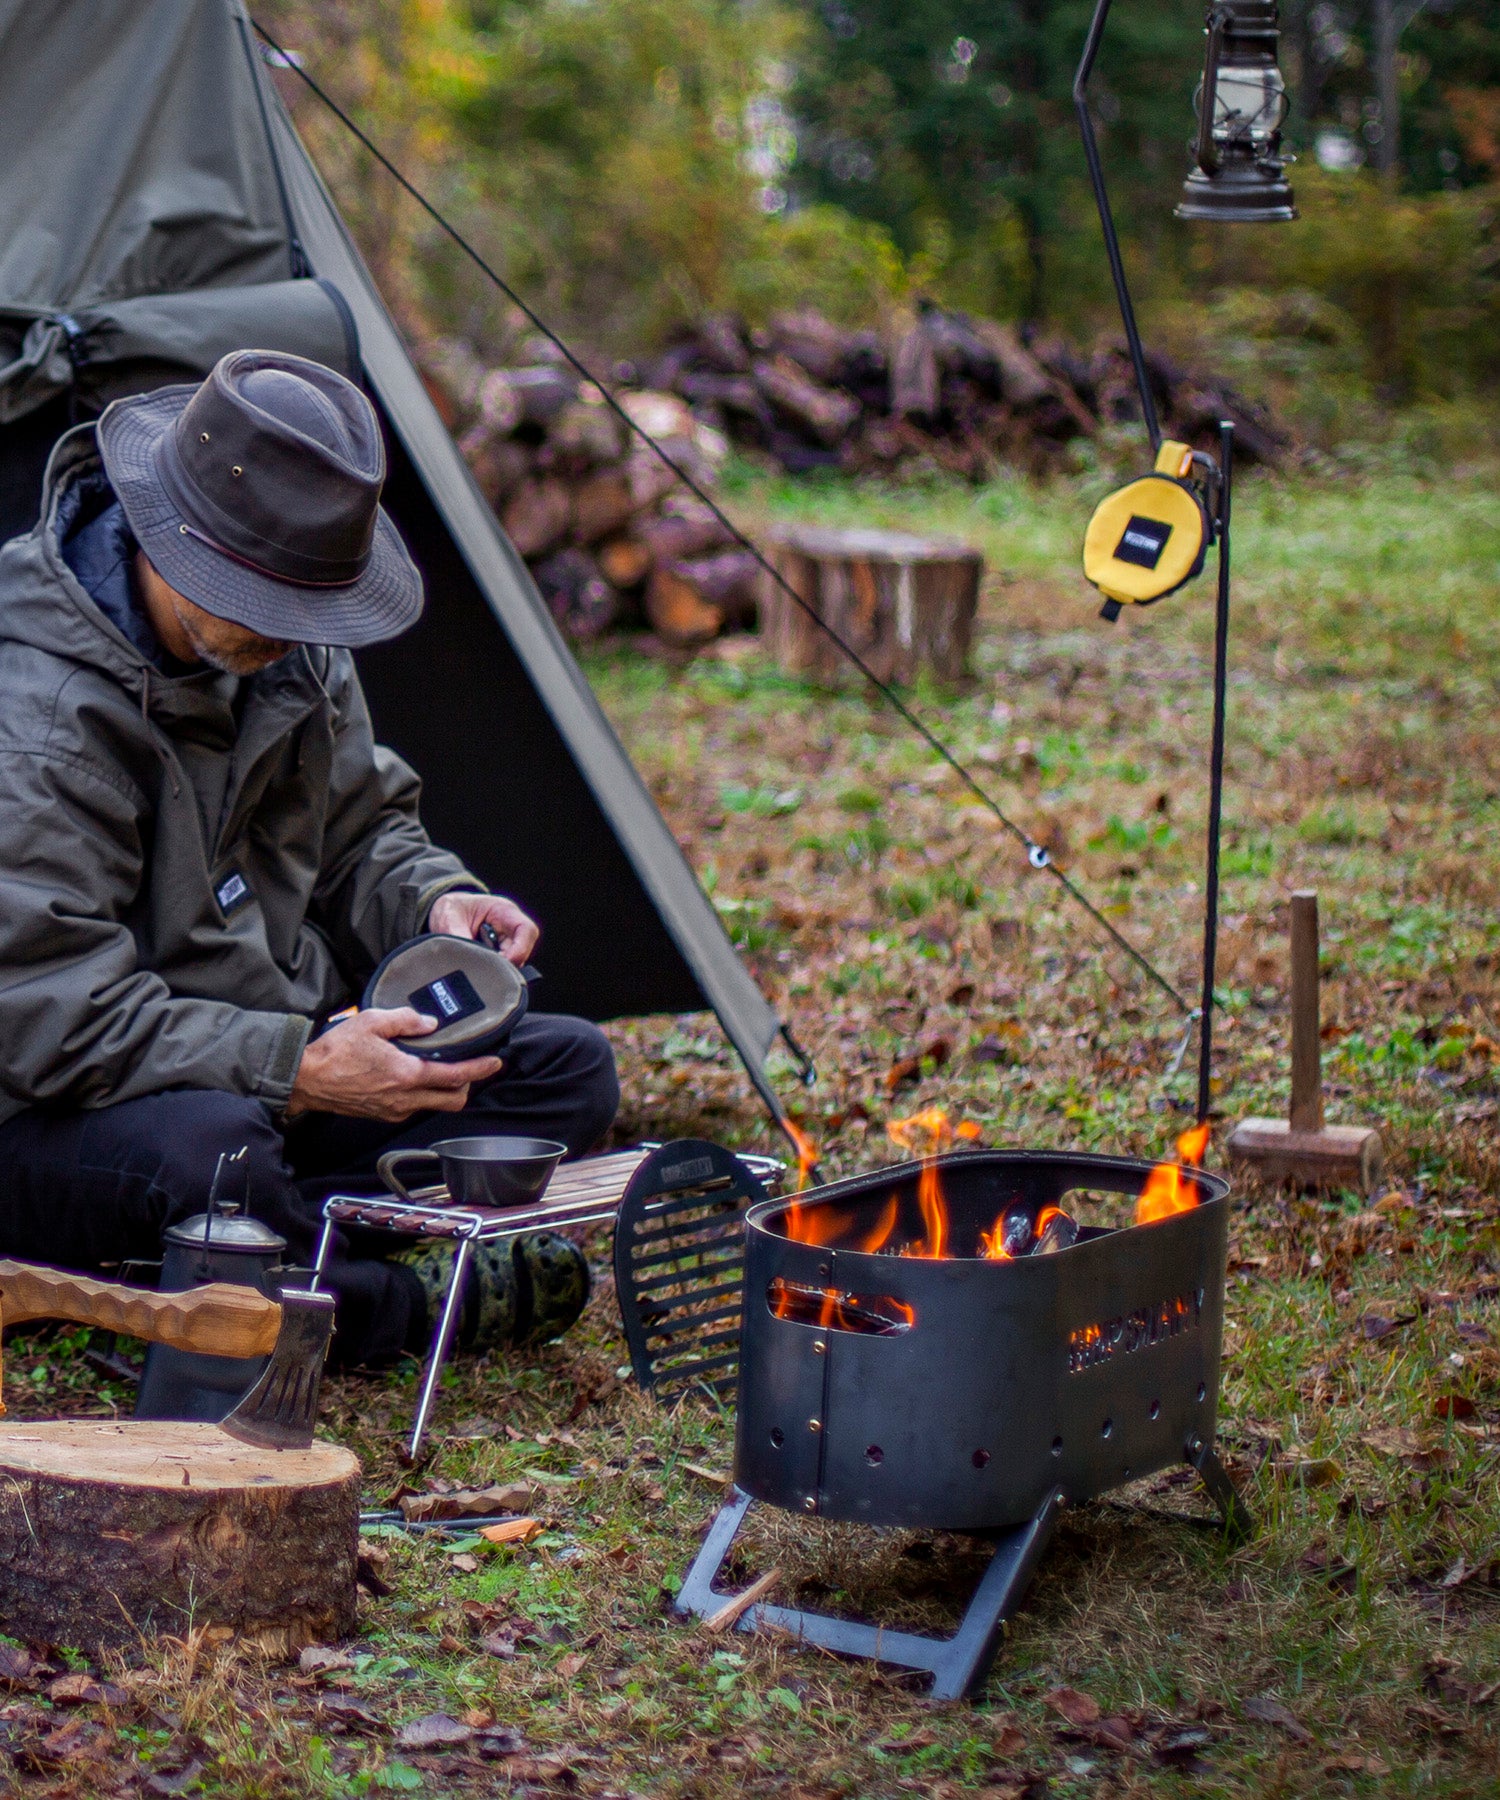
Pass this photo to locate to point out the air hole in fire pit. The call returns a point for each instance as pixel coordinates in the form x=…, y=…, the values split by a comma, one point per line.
x=1107, y=1428
x=778, y=1437
x=980, y=1458
x=1202, y=1393
x=874, y=1456
x=1154, y=1410
x=1057, y=1446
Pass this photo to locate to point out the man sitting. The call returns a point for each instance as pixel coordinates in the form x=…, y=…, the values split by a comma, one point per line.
x=204, y=854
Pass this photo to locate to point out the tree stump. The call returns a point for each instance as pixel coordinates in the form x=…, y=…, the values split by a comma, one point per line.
x=110, y=1529
x=904, y=603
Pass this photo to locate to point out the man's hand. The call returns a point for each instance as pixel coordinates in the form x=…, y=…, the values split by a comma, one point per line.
x=355, y=1069
x=461, y=915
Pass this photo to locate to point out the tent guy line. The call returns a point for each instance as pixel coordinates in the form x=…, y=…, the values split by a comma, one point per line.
x=1037, y=854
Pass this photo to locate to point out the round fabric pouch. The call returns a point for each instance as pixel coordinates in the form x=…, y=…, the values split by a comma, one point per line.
x=1146, y=540
x=475, y=994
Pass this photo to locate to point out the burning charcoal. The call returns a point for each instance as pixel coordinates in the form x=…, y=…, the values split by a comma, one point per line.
x=1015, y=1232
x=1059, y=1232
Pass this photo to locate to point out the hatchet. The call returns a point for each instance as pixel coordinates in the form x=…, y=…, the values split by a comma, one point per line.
x=217, y=1319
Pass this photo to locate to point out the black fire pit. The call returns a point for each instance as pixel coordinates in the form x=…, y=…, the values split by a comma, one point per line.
x=887, y=1385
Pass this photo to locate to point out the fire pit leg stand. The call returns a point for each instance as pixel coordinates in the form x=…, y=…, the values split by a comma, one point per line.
x=1238, y=1519
x=957, y=1664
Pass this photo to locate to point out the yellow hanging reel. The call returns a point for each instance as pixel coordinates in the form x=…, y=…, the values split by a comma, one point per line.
x=1147, y=539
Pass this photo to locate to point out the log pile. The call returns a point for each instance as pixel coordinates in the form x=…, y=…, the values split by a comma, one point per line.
x=967, y=395
x=611, y=535
x=614, y=538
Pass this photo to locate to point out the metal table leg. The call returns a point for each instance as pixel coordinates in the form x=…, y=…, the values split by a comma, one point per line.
x=442, y=1342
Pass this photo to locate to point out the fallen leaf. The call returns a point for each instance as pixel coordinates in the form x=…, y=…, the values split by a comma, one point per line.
x=83, y=1689
x=715, y=1477
x=349, y=1711
x=961, y=993
x=499, y=1741
x=1444, y=1680
x=1454, y=1406
x=1356, y=1765
x=19, y=1668
x=1310, y=1471
x=510, y=1531
x=1393, y=1440
x=914, y=1740
x=434, y=1731
x=168, y=1784
x=465, y=1562
x=1338, y=1574
x=1472, y=1332
x=323, y=1659
x=571, y=1666
x=905, y=1069
x=1076, y=1707
x=369, y=1577
x=1114, y=1732
x=500, y=1644
x=1376, y=1325
x=1179, y=1746
x=1009, y=1739
x=1268, y=1710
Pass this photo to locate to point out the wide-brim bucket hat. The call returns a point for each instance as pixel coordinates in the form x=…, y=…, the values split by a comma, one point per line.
x=256, y=495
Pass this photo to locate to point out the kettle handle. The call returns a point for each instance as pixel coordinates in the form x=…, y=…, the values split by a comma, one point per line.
x=386, y=1168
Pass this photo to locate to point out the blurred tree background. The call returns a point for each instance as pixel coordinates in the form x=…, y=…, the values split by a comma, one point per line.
x=632, y=164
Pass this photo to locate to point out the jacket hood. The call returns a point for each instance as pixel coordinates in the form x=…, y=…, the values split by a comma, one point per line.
x=43, y=604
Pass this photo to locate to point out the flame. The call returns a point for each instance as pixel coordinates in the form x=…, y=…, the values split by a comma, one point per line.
x=929, y=1131
x=1165, y=1191
x=808, y=1155
x=934, y=1214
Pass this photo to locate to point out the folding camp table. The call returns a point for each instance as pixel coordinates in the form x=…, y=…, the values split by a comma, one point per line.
x=580, y=1193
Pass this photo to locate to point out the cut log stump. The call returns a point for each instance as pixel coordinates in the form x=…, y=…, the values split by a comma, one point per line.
x=904, y=603
x=111, y=1530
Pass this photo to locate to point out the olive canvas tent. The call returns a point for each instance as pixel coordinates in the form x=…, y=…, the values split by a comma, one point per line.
x=158, y=208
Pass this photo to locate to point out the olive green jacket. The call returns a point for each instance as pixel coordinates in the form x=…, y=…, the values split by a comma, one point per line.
x=190, y=875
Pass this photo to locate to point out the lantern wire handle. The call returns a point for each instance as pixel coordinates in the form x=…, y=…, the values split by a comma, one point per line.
x=1107, y=221
x=1207, y=152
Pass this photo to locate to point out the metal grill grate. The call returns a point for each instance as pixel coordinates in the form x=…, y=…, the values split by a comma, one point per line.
x=679, y=1267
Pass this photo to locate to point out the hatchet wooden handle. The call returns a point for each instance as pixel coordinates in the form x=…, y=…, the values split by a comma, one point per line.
x=219, y=1319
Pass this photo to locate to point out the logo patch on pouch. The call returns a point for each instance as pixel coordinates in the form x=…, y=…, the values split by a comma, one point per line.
x=232, y=892
x=1143, y=542
x=448, y=998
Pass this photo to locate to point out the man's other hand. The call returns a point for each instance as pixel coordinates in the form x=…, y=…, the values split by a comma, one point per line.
x=461, y=915
x=356, y=1070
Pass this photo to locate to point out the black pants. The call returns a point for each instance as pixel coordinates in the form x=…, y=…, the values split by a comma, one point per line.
x=84, y=1190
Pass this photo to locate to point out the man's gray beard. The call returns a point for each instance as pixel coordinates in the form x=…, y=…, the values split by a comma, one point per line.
x=257, y=655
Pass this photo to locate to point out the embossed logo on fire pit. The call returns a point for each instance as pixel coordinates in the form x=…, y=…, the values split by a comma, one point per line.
x=1090, y=1345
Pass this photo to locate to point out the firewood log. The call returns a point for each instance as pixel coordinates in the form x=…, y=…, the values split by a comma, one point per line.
x=536, y=516
x=500, y=464
x=591, y=436
x=721, y=344
x=625, y=562
x=729, y=580
x=581, y=600
x=914, y=375
x=677, y=536
x=1023, y=380
x=678, y=612
x=824, y=413
x=603, y=505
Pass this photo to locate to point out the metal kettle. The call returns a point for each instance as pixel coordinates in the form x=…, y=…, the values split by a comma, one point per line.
x=222, y=1244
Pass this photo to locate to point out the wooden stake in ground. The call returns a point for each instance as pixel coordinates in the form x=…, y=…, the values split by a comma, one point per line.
x=1301, y=1147
x=113, y=1529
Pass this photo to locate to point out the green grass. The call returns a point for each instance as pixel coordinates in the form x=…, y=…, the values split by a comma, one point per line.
x=888, y=918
